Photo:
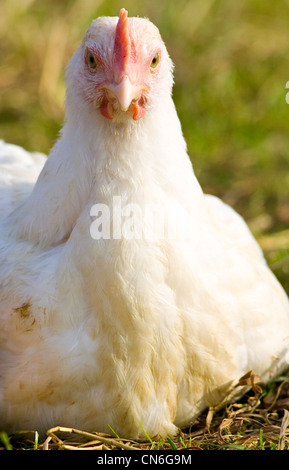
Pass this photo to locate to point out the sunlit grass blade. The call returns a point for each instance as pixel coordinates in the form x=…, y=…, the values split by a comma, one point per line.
x=5, y=439
x=172, y=444
x=261, y=442
x=145, y=433
x=113, y=431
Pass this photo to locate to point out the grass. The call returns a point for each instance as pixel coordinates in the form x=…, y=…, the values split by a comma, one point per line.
x=231, y=69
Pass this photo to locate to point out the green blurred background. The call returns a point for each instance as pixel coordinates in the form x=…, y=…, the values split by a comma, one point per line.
x=231, y=69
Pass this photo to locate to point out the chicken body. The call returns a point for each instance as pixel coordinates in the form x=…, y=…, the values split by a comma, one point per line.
x=136, y=326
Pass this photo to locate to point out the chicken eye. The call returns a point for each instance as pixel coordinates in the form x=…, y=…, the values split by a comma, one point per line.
x=155, y=61
x=91, y=61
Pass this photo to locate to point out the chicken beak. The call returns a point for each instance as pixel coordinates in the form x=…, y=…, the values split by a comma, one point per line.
x=125, y=93
x=129, y=96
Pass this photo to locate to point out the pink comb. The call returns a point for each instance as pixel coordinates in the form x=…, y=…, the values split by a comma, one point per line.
x=123, y=44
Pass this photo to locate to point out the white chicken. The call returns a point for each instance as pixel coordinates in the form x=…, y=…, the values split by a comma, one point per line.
x=105, y=319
